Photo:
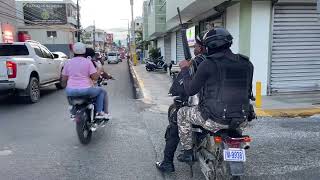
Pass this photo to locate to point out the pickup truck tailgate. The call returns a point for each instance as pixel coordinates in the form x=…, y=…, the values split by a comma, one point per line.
x=3, y=70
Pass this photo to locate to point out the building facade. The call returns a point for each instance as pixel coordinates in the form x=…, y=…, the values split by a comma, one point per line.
x=100, y=38
x=52, y=23
x=281, y=37
x=8, y=21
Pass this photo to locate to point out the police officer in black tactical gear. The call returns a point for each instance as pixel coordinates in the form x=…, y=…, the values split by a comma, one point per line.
x=171, y=135
x=211, y=81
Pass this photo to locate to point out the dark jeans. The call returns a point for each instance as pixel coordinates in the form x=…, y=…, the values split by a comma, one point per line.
x=172, y=141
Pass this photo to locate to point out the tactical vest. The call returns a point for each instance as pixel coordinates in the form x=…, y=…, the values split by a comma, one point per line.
x=227, y=95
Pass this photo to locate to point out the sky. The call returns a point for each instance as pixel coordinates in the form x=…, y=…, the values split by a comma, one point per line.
x=107, y=13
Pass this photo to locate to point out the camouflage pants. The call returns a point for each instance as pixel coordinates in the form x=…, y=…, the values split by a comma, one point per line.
x=191, y=115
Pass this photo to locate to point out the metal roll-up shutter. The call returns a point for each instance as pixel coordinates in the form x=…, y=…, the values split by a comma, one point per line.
x=167, y=48
x=295, y=65
x=180, y=53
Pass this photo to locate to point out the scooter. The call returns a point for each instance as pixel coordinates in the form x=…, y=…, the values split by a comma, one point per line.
x=158, y=64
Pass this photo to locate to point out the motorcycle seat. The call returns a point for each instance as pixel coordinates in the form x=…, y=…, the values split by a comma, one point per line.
x=79, y=100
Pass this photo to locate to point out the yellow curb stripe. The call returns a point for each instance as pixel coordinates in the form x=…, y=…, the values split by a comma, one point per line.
x=297, y=112
x=145, y=95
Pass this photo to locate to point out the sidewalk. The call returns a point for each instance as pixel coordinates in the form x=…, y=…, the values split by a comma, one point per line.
x=154, y=87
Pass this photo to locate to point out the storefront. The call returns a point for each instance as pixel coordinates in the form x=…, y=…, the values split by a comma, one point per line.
x=295, y=57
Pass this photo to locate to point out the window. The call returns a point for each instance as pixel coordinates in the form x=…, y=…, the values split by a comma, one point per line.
x=13, y=50
x=38, y=51
x=51, y=34
x=46, y=53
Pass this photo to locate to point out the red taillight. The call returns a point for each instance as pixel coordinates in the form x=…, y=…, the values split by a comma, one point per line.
x=247, y=139
x=11, y=69
x=217, y=139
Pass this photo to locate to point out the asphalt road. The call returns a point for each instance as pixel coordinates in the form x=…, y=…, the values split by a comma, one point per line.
x=39, y=141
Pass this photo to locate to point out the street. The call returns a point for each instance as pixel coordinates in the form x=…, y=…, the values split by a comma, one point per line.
x=39, y=141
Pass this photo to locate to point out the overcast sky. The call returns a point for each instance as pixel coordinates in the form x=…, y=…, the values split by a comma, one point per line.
x=107, y=13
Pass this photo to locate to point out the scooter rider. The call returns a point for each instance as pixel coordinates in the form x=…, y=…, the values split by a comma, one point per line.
x=171, y=135
x=207, y=81
x=79, y=73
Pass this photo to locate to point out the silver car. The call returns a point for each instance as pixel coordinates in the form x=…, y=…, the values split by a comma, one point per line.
x=113, y=58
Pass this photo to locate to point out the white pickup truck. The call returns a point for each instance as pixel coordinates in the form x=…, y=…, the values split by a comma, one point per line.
x=25, y=67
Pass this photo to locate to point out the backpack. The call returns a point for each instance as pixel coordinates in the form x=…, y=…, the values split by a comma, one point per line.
x=233, y=89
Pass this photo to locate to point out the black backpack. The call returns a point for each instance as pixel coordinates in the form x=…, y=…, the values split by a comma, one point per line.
x=233, y=90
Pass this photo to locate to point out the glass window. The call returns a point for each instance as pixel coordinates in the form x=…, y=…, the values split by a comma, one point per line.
x=51, y=34
x=46, y=53
x=38, y=51
x=13, y=50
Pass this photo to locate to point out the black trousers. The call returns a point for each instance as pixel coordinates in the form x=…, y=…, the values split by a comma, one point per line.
x=172, y=141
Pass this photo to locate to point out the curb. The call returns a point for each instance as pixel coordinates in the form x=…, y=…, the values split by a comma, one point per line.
x=136, y=85
x=287, y=113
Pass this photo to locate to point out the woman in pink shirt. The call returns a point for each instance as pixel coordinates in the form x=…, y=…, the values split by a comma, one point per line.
x=79, y=73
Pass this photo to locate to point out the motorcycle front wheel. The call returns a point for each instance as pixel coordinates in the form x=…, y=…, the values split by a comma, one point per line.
x=83, y=129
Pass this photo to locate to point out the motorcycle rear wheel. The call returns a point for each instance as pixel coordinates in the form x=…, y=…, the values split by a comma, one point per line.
x=221, y=169
x=83, y=130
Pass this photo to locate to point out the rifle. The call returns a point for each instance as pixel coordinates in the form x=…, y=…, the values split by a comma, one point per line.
x=186, y=49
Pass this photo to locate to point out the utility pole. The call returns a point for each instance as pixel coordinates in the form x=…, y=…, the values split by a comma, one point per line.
x=135, y=60
x=94, y=36
x=78, y=21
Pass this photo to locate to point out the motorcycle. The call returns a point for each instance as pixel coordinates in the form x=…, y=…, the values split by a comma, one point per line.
x=83, y=113
x=158, y=64
x=221, y=154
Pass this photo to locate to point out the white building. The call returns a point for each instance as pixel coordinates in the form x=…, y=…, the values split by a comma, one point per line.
x=100, y=38
x=281, y=37
x=52, y=23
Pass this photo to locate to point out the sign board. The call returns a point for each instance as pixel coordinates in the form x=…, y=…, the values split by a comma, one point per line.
x=109, y=38
x=45, y=13
x=191, y=36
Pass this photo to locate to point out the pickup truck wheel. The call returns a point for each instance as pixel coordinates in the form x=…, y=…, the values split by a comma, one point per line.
x=33, y=91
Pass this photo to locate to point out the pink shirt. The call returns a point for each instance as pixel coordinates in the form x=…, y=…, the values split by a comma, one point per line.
x=78, y=70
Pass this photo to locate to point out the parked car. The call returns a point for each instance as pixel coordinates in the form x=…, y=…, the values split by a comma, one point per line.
x=25, y=67
x=60, y=55
x=113, y=57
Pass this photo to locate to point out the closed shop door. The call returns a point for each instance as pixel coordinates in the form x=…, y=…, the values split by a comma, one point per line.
x=167, y=48
x=180, y=53
x=295, y=65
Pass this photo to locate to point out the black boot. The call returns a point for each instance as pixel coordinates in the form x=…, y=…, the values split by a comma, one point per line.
x=165, y=167
x=186, y=156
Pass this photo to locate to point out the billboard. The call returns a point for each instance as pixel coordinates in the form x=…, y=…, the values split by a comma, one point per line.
x=191, y=36
x=45, y=13
x=109, y=38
